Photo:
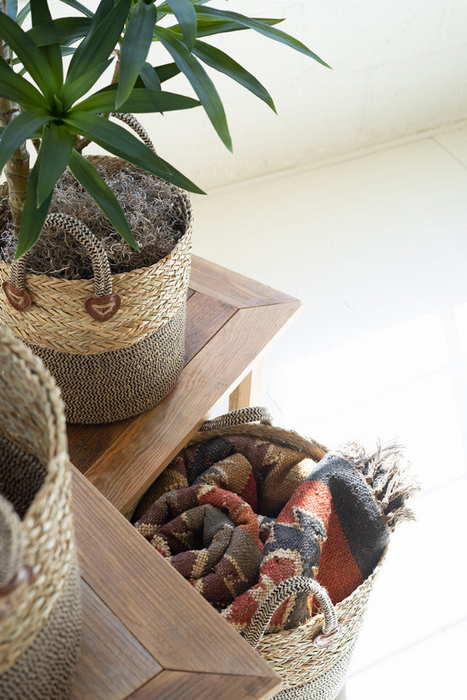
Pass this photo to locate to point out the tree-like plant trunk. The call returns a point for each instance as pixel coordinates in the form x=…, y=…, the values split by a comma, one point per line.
x=17, y=168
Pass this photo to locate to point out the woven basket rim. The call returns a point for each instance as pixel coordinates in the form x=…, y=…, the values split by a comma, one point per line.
x=120, y=275
x=116, y=276
x=151, y=296
x=271, y=433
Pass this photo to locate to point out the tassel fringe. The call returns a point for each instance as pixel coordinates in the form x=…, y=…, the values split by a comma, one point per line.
x=387, y=478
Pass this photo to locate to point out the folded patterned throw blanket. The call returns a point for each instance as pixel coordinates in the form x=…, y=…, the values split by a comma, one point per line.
x=237, y=513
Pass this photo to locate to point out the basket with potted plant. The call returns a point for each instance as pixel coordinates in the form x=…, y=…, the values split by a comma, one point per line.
x=105, y=240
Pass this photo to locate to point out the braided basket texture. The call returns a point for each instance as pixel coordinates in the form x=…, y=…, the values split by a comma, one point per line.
x=308, y=671
x=40, y=616
x=118, y=368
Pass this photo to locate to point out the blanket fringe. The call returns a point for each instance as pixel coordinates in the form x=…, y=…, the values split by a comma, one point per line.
x=387, y=477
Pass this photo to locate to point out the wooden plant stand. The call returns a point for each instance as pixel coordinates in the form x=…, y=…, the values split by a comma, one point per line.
x=147, y=634
x=231, y=323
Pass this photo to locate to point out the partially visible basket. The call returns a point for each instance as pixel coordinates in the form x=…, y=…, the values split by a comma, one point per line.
x=312, y=660
x=40, y=609
x=116, y=344
x=324, y=520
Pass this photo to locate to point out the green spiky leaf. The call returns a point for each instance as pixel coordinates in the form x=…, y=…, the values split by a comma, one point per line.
x=75, y=89
x=29, y=54
x=56, y=147
x=101, y=39
x=141, y=100
x=186, y=16
x=220, y=61
x=200, y=82
x=123, y=144
x=40, y=13
x=258, y=26
x=14, y=87
x=33, y=219
x=212, y=26
x=20, y=129
x=92, y=182
x=135, y=47
x=149, y=77
x=66, y=30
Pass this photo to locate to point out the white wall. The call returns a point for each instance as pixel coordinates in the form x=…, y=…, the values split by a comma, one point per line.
x=399, y=68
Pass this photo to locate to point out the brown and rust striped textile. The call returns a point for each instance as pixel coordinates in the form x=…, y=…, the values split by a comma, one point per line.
x=236, y=515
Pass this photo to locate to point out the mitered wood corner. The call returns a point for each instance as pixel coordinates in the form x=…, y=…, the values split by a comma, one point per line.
x=232, y=287
x=147, y=633
x=126, y=469
x=177, y=685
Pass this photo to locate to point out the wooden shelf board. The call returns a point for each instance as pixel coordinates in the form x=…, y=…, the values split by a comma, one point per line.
x=176, y=626
x=140, y=452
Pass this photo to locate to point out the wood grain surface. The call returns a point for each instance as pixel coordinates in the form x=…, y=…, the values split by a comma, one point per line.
x=112, y=663
x=176, y=626
x=176, y=685
x=231, y=287
x=204, y=318
x=252, y=390
x=132, y=462
x=231, y=323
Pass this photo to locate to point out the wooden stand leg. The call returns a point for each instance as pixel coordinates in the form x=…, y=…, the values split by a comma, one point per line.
x=251, y=391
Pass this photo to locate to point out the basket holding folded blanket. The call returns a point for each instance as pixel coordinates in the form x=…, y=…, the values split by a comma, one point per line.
x=283, y=537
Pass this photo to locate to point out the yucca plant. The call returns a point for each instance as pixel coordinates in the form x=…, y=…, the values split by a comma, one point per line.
x=41, y=101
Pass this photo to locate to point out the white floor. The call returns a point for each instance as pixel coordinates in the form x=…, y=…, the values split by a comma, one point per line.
x=377, y=249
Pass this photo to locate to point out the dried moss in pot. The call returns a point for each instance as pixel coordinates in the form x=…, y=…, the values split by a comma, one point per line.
x=154, y=209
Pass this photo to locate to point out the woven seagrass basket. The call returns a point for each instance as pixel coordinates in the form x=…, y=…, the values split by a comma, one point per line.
x=312, y=659
x=116, y=344
x=40, y=608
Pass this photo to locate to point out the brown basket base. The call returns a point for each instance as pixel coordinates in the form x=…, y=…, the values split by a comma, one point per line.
x=112, y=386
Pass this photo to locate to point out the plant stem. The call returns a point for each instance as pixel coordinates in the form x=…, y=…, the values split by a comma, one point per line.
x=17, y=168
x=116, y=75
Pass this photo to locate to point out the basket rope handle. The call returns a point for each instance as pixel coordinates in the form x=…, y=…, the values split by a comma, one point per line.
x=239, y=416
x=136, y=126
x=285, y=589
x=104, y=304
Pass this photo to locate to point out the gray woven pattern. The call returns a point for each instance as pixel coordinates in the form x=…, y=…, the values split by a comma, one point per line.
x=325, y=687
x=136, y=126
x=45, y=670
x=114, y=385
x=23, y=478
x=283, y=591
x=241, y=416
x=100, y=263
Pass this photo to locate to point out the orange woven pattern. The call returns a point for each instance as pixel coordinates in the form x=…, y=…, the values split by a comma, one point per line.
x=151, y=297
